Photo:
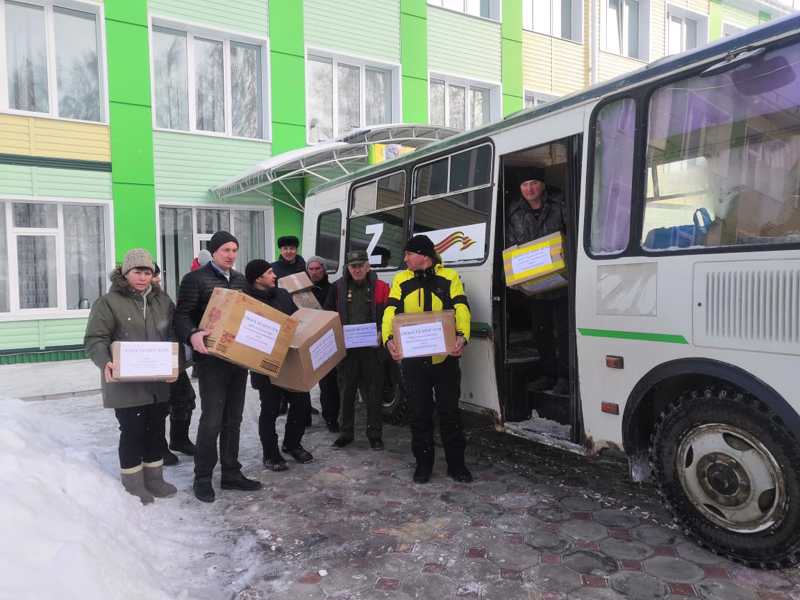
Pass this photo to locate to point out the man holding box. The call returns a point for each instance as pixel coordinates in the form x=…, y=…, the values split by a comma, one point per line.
x=538, y=212
x=328, y=386
x=427, y=286
x=222, y=384
x=360, y=298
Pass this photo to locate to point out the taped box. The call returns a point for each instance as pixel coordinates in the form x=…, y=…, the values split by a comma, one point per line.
x=317, y=347
x=425, y=333
x=247, y=332
x=299, y=286
x=537, y=266
x=145, y=361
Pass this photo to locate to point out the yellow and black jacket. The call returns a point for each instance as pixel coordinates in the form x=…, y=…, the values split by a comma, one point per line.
x=431, y=290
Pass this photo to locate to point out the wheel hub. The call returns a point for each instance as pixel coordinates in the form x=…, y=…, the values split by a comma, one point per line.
x=723, y=479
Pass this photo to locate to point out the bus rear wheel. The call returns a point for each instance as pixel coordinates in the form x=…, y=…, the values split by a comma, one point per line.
x=725, y=467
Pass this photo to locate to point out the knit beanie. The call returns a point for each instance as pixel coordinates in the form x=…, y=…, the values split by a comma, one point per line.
x=203, y=257
x=137, y=258
x=421, y=244
x=315, y=259
x=219, y=239
x=255, y=269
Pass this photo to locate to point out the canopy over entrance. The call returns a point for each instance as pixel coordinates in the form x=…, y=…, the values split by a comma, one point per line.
x=325, y=162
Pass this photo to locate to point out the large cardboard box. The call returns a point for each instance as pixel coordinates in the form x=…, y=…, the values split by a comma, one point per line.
x=299, y=286
x=145, y=361
x=316, y=348
x=537, y=266
x=425, y=333
x=247, y=332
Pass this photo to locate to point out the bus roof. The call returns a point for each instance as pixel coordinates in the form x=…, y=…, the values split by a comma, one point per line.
x=661, y=67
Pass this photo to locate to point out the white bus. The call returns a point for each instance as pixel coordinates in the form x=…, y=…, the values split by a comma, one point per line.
x=681, y=183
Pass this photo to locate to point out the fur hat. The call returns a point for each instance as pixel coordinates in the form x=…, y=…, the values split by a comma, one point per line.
x=219, y=239
x=137, y=258
x=536, y=173
x=288, y=240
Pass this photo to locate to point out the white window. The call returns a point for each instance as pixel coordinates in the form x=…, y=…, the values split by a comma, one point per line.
x=626, y=28
x=559, y=18
x=685, y=30
x=533, y=99
x=347, y=94
x=54, y=256
x=208, y=83
x=462, y=104
x=51, y=60
x=728, y=30
x=488, y=9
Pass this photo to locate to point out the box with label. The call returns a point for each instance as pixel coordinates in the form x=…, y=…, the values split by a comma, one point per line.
x=247, y=332
x=537, y=266
x=299, y=286
x=145, y=361
x=316, y=347
x=424, y=333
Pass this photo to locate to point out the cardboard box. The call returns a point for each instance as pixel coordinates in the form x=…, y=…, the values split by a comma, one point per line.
x=145, y=361
x=316, y=348
x=537, y=266
x=299, y=286
x=422, y=334
x=247, y=332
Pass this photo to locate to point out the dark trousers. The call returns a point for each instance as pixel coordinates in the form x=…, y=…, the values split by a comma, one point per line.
x=430, y=386
x=550, y=325
x=329, y=397
x=299, y=410
x=362, y=371
x=222, y=389
x=141, y=434
x=181, y=399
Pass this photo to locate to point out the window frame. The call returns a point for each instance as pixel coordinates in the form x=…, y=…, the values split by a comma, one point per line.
x=576, y=15
x=495, y=10
x=193, y=31
x=362, y=63
x=60, y=311
x=543, y=98
x=701, y=21
x=493, y=88
x=317, y=237
x=49, y=6
x=643, y=35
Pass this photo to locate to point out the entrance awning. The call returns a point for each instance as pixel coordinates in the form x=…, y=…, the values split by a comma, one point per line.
x=327, y=161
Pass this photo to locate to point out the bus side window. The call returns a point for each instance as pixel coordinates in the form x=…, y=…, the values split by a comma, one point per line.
x=329, y=238
x=377, y=218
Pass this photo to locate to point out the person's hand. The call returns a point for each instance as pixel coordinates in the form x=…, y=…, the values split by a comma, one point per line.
x=198, y=341
x=108, y=372
x=458, y=349
x=393, y=351
x=171, y=380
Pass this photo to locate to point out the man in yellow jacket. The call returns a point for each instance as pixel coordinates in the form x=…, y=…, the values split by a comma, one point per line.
x=428, y=286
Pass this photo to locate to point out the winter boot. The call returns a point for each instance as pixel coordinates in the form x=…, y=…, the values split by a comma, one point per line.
x=179, y=437
x=133, y=482
x=154, y=480
x=170, y=460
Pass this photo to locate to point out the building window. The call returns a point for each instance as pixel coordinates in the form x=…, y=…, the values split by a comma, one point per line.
x=52, y=63
x=728, y=30
x=626, y=28
x=210, y=84
x=560, y=18
x=184, y=231
x=462, y=104
x=54, y=256
x=346, y=94
x=488, y=9
x=534, y=99
x=685, y=30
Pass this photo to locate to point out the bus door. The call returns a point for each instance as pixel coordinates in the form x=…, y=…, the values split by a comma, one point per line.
x=536, y=362
x=323, y=227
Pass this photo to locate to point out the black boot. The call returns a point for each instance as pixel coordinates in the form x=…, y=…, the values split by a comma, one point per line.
x=422, y=474
x=170, y=459
x=203, y=490
x=179, y=437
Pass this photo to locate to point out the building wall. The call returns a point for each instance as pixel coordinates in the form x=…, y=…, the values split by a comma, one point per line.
x=244, y=16
x=463, y=45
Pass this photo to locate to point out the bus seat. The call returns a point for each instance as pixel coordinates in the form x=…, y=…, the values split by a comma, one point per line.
x=680, y=236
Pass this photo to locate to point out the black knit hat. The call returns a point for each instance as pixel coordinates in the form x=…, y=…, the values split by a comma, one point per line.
x=421, y=244
x=536, y=173
x=255, y=269
x=288, y=240
x=219, y=239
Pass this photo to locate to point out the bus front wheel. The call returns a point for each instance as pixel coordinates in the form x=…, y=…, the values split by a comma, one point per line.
x=725, y=466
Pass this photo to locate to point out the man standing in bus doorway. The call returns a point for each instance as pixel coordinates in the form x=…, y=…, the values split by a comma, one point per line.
x=289, y=262
x=428, y=286
x=538, y=212
x=360, y=298
x=222, y=384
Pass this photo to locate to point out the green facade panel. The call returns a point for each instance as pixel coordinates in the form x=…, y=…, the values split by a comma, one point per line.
x=415, y=100
x=243, y=16
x=127, y=43
x=289, y=70
x=42, y=333
x=126, y=11
x=464, y=46
x=134, y=218
x=288, y=136
x=131, y=144
x=414, y=60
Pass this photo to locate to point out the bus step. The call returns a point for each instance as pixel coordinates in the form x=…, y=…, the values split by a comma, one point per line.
x=550, y=405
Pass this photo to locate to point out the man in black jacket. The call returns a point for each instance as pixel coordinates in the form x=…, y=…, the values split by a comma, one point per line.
x=289, y=262
x=222, y=384
x=328, y=386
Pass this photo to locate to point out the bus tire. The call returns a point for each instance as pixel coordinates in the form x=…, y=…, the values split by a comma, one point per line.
x=725, y=467
x=395, y=405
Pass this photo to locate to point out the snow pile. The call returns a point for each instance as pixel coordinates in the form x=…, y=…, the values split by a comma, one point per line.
x=67, y=528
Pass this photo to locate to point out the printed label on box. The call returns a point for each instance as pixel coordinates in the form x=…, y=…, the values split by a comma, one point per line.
x=258, y=332
x=424, y=339
x=322, y=349
x=362, y=335
x=531, y=260
x=145, y=359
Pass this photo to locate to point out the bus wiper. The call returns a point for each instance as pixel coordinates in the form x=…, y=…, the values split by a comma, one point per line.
x=733, y=59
